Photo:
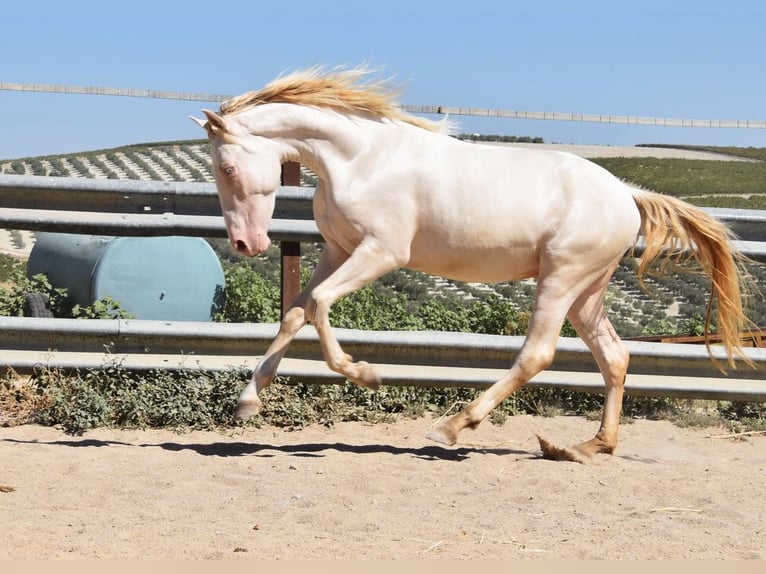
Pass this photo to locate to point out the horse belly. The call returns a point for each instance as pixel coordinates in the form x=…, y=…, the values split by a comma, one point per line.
x=484, y=265
x=490, y=240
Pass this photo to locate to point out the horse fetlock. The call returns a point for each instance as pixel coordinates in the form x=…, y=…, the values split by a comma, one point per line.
x=583, y=452
x=472, y=424
x=264, y=373
x=365, y=375
x=249, y=403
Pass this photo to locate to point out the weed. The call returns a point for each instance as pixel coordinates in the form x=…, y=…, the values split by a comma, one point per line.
x=191, y=399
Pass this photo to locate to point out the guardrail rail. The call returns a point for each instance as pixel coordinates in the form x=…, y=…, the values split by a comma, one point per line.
x=120, y=207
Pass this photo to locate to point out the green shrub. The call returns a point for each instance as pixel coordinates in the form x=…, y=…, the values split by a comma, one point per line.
x=192, y=399
x=13, y=299
x=7, y=265
x=113, y=396
x=250, y=296
x=104, y=308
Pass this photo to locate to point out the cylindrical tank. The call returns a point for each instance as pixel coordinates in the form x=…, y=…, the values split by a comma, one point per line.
x=162, y=278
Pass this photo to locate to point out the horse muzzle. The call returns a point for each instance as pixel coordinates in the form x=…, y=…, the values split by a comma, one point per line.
x=251, y=246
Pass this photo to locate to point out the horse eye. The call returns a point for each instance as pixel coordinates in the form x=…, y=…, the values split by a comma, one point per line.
x=229, y=170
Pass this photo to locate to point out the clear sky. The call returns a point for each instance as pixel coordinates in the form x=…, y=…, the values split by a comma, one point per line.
x=662, y=58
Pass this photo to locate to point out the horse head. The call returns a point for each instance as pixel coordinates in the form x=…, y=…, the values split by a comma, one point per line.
x=247, y=172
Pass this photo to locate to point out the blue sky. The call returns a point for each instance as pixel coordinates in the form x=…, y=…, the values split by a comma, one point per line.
x=677, y=59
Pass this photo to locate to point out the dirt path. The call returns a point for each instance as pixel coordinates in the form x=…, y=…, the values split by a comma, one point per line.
x=381, y=491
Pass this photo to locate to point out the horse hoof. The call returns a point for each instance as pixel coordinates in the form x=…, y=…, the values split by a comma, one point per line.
x=368, y=376
x=247, y=409
x=442, y=435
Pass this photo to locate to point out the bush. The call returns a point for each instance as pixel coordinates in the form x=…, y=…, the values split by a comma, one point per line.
x=373, y=310
x=114, y=397
x=196, y=400
x=25, y=292
x=104, y=308
x=250, y=297
x=7, y=266
x=13, y=299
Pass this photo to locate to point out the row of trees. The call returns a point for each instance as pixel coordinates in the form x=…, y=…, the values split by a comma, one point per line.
x=124, y=163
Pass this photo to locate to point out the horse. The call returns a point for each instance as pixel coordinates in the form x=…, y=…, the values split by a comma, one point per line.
x=398, y=191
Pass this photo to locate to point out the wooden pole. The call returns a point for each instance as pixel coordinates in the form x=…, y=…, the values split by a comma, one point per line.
x=290, y=251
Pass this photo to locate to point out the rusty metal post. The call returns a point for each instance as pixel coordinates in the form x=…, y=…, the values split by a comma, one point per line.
x=290, y=251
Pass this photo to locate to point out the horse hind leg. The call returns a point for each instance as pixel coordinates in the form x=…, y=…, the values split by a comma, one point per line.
x=588, y=317
x=552, y=301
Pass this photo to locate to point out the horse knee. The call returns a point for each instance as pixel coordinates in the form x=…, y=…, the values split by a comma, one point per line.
x=293, y=320
x=532, y=361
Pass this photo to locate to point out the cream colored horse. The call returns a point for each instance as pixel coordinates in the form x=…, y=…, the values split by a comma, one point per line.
x=394, y=191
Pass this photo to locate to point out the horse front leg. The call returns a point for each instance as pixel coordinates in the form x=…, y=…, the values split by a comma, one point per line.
x=369, y=261
x=249, y=402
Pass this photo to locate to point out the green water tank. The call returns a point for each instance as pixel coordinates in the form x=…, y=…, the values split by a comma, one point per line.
x=162, y=278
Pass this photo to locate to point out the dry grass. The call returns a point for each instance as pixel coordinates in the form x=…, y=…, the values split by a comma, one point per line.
x=19, y=400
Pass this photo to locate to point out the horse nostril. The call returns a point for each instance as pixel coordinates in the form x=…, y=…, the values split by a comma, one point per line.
x=241, y=246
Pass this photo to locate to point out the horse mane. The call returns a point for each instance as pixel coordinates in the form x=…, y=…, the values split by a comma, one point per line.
x=342, y=90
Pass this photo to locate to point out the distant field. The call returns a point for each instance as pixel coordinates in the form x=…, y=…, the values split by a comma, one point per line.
x=703, y=182
x=712, y=183
x=756, y=153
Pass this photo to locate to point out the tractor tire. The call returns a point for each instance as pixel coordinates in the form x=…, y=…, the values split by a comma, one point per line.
x=36, y=305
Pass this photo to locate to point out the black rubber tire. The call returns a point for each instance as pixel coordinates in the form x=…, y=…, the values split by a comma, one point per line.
x=36, y=305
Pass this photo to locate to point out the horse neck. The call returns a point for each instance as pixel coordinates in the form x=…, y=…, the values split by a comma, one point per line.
x=315, y=137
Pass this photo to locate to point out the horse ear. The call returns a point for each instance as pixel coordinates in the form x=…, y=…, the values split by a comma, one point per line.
x=214, y=120
x=199, y=122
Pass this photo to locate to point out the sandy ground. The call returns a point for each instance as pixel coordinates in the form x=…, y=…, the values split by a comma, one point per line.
x=381, y=492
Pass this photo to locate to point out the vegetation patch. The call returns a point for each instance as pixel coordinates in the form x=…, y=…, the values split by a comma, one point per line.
x=196, y=400
x=22, y=292
x=755, y=153
x=691, y=179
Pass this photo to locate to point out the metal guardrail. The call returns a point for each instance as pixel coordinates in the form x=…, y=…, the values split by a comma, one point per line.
x=76, y=194
x=138, y=208
x=126, y=207
x=404, y=357
x=119, y=207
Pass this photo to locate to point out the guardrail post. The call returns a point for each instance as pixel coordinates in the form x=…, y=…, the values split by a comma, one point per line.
x=290, y=251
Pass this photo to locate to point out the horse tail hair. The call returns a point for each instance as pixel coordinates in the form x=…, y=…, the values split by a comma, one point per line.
x=681, y=232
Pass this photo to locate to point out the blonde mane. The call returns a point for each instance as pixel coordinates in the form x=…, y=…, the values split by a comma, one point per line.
x=342, y=90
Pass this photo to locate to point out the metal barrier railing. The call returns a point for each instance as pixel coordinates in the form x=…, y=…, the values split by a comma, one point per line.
x=404, y=357
x=120, y=207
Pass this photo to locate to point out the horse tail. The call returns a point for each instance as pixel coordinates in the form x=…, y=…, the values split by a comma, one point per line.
x=684, y=232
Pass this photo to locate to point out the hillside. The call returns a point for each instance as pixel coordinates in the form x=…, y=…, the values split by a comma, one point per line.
x=190, y=160
x=675, y=299
x=171, y=161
